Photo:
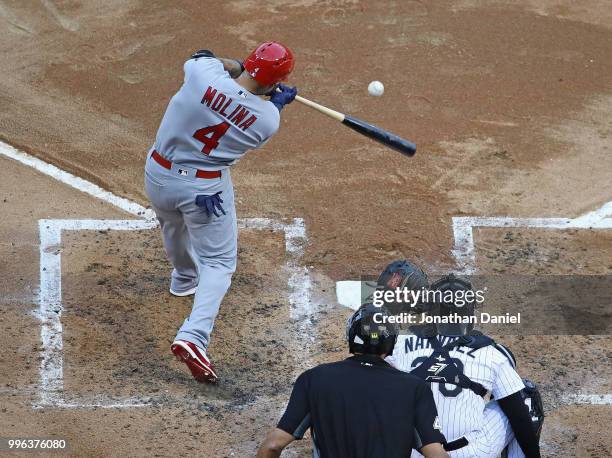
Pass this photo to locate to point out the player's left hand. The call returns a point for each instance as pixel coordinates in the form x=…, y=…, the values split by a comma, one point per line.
x=282, y=95
x=210, y=203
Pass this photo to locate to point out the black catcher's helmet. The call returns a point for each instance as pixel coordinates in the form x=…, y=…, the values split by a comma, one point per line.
x=404, y=275
x=462, y=305
x=367, y=332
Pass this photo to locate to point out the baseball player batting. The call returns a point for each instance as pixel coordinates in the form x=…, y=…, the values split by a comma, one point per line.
x=464, y=367
x=217, y=115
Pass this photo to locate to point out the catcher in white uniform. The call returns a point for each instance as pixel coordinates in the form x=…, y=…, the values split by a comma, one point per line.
x=217, y=115
x=485, y=408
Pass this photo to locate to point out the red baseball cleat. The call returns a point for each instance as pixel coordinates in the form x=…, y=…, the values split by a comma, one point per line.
x=195, y=357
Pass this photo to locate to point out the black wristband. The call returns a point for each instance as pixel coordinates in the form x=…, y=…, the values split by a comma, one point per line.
x=241, y=65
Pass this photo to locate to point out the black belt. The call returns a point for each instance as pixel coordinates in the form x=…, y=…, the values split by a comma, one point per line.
x=456, y=444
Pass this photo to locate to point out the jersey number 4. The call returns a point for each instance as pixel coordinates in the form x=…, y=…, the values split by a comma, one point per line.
x=210, y=136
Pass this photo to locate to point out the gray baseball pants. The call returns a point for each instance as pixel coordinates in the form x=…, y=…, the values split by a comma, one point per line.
x=201, y=248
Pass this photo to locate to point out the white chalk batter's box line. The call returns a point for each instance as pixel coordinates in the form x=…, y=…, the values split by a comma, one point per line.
x=51, y=392
x=463, y=230
x=349, y=293
x=465, y=255
x=299, y=280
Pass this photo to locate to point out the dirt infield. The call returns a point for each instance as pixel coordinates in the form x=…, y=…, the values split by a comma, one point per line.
x=509, y=103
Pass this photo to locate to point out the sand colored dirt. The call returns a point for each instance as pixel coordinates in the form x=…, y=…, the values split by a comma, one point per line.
x=509, y=103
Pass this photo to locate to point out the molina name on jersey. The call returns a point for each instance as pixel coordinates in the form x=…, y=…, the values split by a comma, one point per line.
x=221, y=104
x=212, y=121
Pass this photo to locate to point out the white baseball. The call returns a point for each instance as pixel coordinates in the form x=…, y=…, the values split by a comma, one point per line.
x=376, y=88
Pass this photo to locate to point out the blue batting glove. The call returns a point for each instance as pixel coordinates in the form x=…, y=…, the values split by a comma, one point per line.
x=284, y=96
x=210, y=203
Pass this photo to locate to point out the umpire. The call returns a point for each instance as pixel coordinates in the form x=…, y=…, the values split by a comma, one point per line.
x=361, y=407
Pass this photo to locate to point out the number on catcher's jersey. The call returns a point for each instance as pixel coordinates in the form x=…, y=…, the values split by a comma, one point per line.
x=210, y=136
x=461, y=410
x=451, y=392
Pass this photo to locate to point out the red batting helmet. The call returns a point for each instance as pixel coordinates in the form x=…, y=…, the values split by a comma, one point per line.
x=270, y=63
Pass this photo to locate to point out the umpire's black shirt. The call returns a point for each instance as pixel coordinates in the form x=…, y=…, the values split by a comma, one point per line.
x=361, y=408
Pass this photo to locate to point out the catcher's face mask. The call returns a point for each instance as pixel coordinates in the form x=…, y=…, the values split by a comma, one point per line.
x=405, y=276
x=450, y=299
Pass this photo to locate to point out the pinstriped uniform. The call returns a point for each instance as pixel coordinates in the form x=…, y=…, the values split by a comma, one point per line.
x=461, y=411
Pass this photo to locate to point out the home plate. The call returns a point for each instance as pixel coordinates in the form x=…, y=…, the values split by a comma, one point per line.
x=353, y=294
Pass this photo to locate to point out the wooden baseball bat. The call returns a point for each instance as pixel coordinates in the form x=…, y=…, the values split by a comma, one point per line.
x=369, y=130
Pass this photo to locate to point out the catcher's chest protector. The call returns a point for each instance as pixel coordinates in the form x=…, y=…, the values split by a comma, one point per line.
x=439, y=367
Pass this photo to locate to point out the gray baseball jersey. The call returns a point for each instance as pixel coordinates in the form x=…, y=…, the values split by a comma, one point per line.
x=212, y=120
x=461, y=411
x=208, y=125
